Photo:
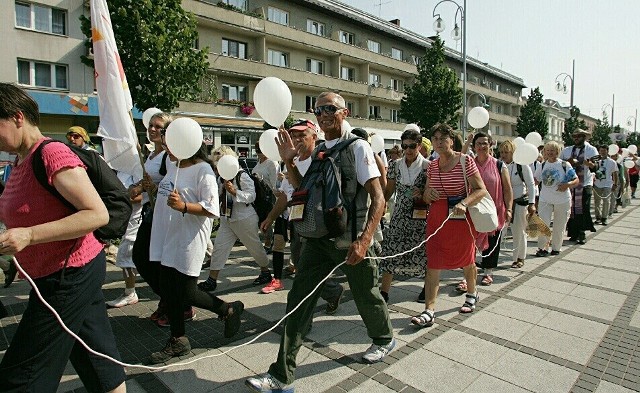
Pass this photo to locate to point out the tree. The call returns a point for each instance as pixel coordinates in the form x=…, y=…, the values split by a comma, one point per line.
x=155, y=40
x=532, y=117
x=435, y=95
x=601, y=131
x=572, y=124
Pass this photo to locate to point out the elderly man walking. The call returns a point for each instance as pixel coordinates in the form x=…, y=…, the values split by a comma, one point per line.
x=360, y=183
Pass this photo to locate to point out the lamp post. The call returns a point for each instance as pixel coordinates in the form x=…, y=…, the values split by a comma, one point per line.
x=607, y=106
x=458, y=32
x=635, y=121
x=563, y=86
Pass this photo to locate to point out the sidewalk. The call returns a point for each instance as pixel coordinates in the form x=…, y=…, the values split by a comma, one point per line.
x=564, y=323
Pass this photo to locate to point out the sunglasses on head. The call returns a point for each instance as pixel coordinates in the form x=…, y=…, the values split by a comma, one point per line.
x=405, y=146
x=328, y=109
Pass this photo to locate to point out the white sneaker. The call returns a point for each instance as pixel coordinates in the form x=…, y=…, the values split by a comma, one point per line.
x=123, y=300
x=268, y=384
x=376, y=353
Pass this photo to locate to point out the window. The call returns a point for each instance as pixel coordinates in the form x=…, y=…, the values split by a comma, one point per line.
x=348, y=74
x=234, y=48
x=242, y=4
x=278, y=16
x=278, y=58
x=374, y=46
x=374, y=111
x=347, y=38
x=497, y=87
x=497, y=108
x=314, y=27
x=310, y=103
x=394, y=116
x=396, y=84
x=350, y=105
x=374, y=80
x=498, y=130
x=396, y=53
x=234, y=92
x=39, y=74
x=315, y=66
x=41, y=18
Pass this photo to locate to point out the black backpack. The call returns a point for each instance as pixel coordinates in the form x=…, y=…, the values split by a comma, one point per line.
x=265, y=198
x=106, y=183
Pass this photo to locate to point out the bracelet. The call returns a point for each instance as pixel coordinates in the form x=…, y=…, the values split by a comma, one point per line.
x=184, y=211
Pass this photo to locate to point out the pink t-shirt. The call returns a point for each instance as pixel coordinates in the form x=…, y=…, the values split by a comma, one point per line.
x=26, y=203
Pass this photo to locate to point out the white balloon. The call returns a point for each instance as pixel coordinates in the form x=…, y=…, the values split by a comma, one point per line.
x=184, y=137
x=377, y=143
x=624, y=152
x=525, y=154
x=268, y=145
x=272, y=99
x=148, y=114
x=478, y=117
x=613, y=149
x=346, y=127
x=228, y=167
x=633, y=149
x=518, y=141
x=534, y=138
x=629, y=164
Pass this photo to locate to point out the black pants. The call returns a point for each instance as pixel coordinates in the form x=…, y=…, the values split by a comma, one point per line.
x=490, y=259
x=579, y=223
x=40, y=349
x=179, y=289
x=149, y=271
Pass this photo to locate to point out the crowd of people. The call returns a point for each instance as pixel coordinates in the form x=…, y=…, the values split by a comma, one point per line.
x=426, y=186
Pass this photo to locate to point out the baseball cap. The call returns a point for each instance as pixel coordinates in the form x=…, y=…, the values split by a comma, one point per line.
x=302, y=125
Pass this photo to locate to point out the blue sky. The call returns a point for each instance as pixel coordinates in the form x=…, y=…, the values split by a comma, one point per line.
x=537, y=39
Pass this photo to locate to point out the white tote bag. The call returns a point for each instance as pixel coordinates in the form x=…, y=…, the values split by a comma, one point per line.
x=483, y=214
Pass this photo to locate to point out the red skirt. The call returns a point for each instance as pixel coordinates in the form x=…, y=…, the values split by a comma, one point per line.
x=453, y=247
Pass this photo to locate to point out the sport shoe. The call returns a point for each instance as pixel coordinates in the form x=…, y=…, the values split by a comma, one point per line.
x=232, y=320
x=268, y=384
x=376, y=353
x=175, y=347
x=554, y=252
x=333, y=303
x=209, y=285
x=263, y=278
x=289, y=270
x=159, y=313
x=123, y=300
x=274, y=285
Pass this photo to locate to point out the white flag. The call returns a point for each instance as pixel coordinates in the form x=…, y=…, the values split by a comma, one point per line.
x=114, y=98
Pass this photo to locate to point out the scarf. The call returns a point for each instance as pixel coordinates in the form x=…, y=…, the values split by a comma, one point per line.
x=409, y=174
x=576, y=192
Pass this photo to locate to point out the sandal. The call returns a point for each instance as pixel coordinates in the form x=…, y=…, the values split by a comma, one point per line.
x=487, y=280
x=517, y=264
x=462, y=286
x=470, y=303
x=425, y=319
x=542, y=253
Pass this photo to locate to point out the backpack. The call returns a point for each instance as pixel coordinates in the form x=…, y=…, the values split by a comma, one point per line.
x=106, y=182
x=318, y=207
x=265, y=199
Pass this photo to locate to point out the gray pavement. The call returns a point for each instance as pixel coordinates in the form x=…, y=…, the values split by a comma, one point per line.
x=569, y=323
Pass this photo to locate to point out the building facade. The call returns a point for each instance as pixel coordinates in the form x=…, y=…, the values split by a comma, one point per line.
x=556, y=116
x=312, y=45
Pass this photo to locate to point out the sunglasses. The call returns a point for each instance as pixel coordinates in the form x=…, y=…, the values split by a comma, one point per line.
x=74, y=136
x=409, y=146
x=328, y=109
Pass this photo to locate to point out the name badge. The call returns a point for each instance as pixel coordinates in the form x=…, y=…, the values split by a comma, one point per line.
x=297, y=213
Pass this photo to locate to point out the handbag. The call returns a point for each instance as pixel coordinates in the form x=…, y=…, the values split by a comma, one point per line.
x=483, y=214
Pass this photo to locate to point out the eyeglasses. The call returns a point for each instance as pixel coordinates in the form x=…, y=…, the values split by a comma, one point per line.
x=409, y=146
x=74, y=136
x=328, y=109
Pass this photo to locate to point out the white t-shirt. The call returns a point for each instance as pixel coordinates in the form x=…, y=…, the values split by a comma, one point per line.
x=520, y=187
x=179, y=241
x=589, y=152
x=366, y=167
x=609, y=169
x=152, y=167
x=134, y=220
x=245, y=196
x=551, y=175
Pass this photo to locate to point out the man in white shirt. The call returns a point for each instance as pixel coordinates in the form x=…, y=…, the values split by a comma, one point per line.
x=267, y=170
x=606, y=181
x=320, y=255
x=581, y=157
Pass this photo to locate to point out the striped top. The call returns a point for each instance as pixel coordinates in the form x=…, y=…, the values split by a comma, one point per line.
x=451, y=183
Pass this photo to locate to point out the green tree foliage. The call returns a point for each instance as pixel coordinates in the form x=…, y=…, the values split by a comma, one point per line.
x=633, y=139
x=435, y=95
x=572, y=124
x=601, y=133
x=532, y=116
x=156, y=39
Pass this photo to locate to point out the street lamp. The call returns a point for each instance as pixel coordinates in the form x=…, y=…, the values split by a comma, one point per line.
x=604, y=111
x=562, y=86
x=459, y=32
x=635, y=121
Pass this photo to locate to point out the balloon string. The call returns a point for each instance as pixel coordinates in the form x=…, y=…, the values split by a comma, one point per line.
x=175, y=178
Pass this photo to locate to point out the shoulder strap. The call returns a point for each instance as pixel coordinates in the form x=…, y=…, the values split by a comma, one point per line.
x=333, y=151
x=163, y=164
x=463, y=162
x=37, y=164
x=238, y=182
x=519, y=171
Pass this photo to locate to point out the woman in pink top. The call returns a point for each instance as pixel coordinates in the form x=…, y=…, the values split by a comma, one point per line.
x=56, y=247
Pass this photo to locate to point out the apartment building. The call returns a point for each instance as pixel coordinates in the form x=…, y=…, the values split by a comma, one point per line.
x=556, y=116
x=312, y=45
